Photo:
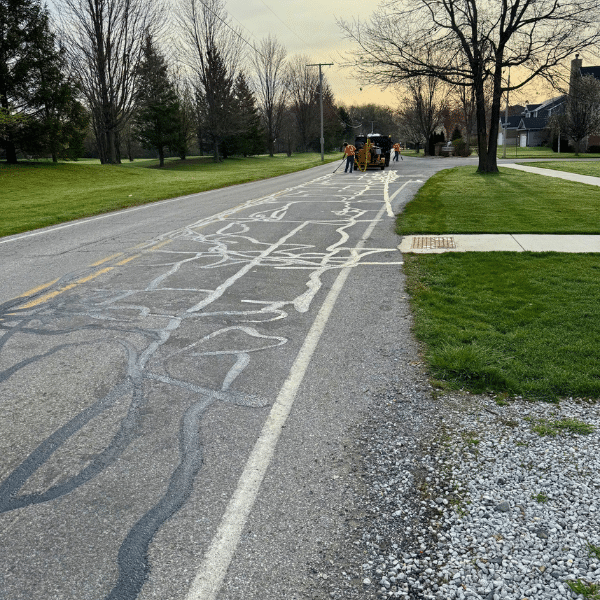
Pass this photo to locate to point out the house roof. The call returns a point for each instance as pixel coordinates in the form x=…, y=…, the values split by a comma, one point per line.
x=533, y=123
x=513, y=122
x=595, y=71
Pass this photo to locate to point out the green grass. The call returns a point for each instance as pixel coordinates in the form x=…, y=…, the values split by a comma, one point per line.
x=582, y=168
x=539, y=152
x=522, y=323
x=541, y=498
x=587, y=590
x=544, y=427
x=593, y=551
x=43, y=193
x=459, y=200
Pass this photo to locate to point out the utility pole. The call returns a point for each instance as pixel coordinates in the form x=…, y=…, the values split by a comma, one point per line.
x=506, y=115
x=321, y=103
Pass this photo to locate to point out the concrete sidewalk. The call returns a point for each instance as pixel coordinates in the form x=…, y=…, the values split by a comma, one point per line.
x=436, y=244
x=554, y=173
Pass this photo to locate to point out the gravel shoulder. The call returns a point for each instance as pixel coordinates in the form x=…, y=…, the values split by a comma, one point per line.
x=469, y=496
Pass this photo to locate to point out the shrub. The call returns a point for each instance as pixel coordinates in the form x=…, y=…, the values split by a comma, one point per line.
x=461, y=148
x=594, y=149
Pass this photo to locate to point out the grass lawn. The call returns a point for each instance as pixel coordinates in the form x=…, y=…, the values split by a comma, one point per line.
x=539, y=152
x=582, y=168
x=42, y=193
x=523, y=323
x=460, y=200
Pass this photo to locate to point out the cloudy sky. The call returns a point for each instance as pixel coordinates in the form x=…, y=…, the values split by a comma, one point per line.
x=309, y=27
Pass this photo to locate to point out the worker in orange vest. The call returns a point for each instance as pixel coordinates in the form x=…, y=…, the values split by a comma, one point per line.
x=396, y=151
x=349, y=151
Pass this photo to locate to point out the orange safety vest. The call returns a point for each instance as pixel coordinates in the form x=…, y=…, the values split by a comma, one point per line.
x=349, y=150
x=397, y=147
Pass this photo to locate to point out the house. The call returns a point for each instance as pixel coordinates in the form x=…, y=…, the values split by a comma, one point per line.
x=530, y=126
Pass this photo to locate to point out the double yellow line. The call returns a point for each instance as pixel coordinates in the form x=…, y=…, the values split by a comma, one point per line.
x=49, y=295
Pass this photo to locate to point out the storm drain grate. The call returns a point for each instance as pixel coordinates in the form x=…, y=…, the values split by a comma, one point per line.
x=433, y=243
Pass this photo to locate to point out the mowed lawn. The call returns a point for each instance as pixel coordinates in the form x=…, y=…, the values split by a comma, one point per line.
x=591, y=168
x=462, y=201
x=526, y=324
x=38, y=194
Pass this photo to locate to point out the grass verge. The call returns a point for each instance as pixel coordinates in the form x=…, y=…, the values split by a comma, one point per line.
x=459, y=200
x=581, y=168
x=523, y=323
x=39, y=194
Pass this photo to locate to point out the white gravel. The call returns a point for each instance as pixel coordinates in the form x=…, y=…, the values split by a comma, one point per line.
x=481, y=505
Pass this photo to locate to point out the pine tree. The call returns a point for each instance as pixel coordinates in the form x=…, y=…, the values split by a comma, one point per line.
x=249, y=137
x=216, y=102
x=157, y=108
x=39, y=106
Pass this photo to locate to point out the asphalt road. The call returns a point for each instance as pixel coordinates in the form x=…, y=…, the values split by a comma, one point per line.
x=180, y=383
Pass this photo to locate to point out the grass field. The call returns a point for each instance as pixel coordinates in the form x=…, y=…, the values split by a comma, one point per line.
x=582, y=168
x=43, y=193
x=460, y=200
x=522, y=323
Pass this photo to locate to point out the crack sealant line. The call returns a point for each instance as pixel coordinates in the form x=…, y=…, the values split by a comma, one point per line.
x=217, y=293
x=216, y=561
x=517, y=241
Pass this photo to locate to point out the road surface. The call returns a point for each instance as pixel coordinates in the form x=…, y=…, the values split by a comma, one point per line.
x=179, y=385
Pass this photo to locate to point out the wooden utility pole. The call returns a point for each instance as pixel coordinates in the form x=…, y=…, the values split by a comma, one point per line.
x=321, y=103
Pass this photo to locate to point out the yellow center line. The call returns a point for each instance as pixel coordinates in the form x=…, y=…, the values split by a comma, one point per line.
x=126, y=260
x=39, y=288
x=50, y=295
x=96, y=264
x=159, y=245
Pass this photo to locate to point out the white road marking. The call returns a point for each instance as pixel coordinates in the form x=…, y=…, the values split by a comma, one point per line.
x=213, y=568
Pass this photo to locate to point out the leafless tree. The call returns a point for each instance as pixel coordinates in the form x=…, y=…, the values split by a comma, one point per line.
x=408, y=124
x=426, y=102
x=582, y=110
x=271, y=90
x=469, y=43
x=104, y=40
x=303, y=89
x=212, y=50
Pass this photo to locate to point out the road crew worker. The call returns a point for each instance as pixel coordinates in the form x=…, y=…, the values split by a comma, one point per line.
x=396, y=151
x=349, y=151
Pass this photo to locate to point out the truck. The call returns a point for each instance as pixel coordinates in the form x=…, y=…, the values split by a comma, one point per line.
x=372, y=151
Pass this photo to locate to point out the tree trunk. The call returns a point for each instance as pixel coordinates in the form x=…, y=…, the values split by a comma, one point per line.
x=161, y=157
x=487, y=163
x=11, y=153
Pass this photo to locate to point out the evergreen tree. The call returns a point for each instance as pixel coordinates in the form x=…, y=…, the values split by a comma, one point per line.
x=252, y=136
x=216, y=100
x=157, y=109
x=39, y=105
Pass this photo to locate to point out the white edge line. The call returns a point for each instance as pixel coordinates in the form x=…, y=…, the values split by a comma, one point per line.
x=213, y=568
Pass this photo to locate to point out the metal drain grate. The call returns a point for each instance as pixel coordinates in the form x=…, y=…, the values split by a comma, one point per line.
x=433, y=243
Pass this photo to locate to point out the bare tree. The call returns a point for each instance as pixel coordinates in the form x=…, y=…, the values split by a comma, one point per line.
x=303, y=88
x=469, y=43
x=104, y=40
x=582, y=110
x=427, y=102
x=212, y=51
x=271, y=90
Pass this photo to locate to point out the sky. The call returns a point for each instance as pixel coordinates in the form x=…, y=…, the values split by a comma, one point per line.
x=309, y=27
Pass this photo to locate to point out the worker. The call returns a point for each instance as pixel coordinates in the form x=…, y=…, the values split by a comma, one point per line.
x=349, y=151
x=396, y=151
